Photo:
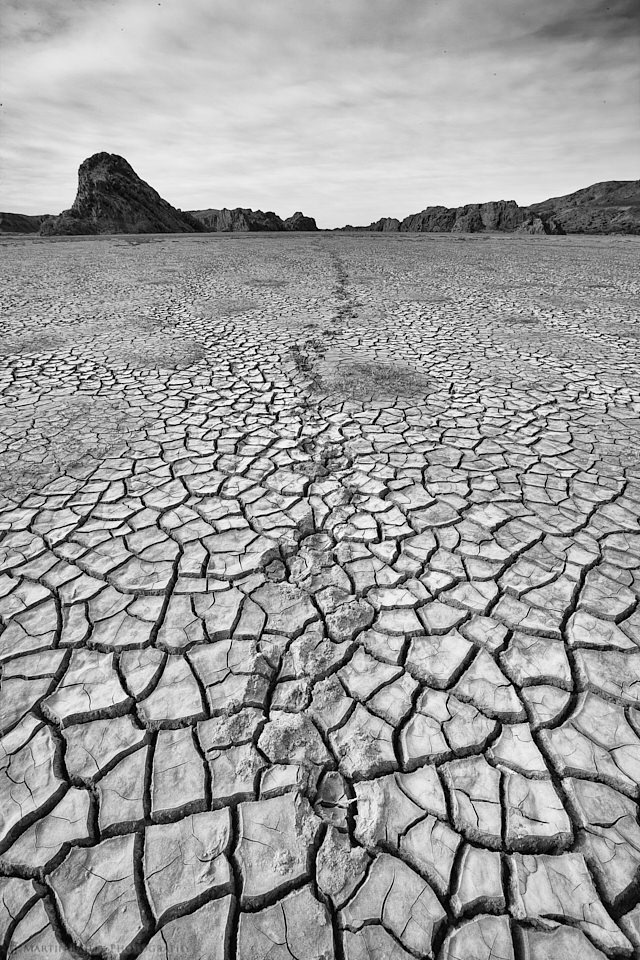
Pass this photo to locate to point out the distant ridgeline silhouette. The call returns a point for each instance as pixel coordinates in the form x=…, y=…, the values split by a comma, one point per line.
x=609, y=207
x=112, y=198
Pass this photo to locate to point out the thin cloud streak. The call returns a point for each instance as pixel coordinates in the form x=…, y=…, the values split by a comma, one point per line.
x=347, y=110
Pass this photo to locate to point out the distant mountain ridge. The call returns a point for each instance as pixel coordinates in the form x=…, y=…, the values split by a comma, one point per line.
x=612, y=206
x=504, y=216
x=112, y=198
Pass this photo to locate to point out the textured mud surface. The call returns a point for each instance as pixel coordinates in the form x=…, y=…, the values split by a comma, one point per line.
x=319, y=582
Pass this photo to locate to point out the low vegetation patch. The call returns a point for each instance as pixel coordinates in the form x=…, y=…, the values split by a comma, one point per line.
x=365, y=379
x=61, y=435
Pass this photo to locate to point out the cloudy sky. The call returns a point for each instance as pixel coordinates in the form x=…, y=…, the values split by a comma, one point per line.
x=346, y=109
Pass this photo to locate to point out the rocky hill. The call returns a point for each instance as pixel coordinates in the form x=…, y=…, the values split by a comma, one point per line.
x=503, y=216
x=299, y=222
x=112, y=198
x=243, y=219
x=237, y=219
x=21, y=222
x=609, y=207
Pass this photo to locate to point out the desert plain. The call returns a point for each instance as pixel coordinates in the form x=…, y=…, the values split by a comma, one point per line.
x=320, y=571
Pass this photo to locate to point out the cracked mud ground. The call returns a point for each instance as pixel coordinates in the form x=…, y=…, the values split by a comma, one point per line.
x=320, y=569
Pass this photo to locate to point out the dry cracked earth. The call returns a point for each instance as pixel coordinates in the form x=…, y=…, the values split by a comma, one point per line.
x=319, y=583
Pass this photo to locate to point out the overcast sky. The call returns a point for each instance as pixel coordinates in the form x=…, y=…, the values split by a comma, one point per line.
x=346, y=109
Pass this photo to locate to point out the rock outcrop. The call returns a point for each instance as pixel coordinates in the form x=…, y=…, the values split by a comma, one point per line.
x=430, y=220
x=609, y=207
x=112, y=198
x=503, y=216
x=299, y=222
x=21, y=222
x=242, y=219
x=238, y=219
x=385, y=225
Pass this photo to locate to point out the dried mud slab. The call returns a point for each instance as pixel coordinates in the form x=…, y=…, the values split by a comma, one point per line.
x=60, y=435
x=31, y=342
x=418, y=294
x=157, y=351
x=319, y=609
x=140, y=342
x=627, y=331
x=564, y=301
x=519, y=319
x=270, y=282
x=226, y=306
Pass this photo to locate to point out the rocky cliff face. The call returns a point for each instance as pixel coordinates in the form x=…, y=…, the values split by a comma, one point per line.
x=429, y=220
x=609, y=207
x=504, y=216
x=243, y=219
x=21, y=222
x=237, y=219
x=384, y=225
x=112, y=198
x=299, y=222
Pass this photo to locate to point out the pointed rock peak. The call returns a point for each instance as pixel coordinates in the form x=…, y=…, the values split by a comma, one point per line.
x=105, y=163
x=112, y=198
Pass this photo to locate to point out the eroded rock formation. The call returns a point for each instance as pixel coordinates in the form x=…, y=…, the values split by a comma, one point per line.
x=609, y=207
x=112, y=198
x=503, y=216
x=299, y=222
x=21, y=222
x=242, y=219
x=238, y=219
